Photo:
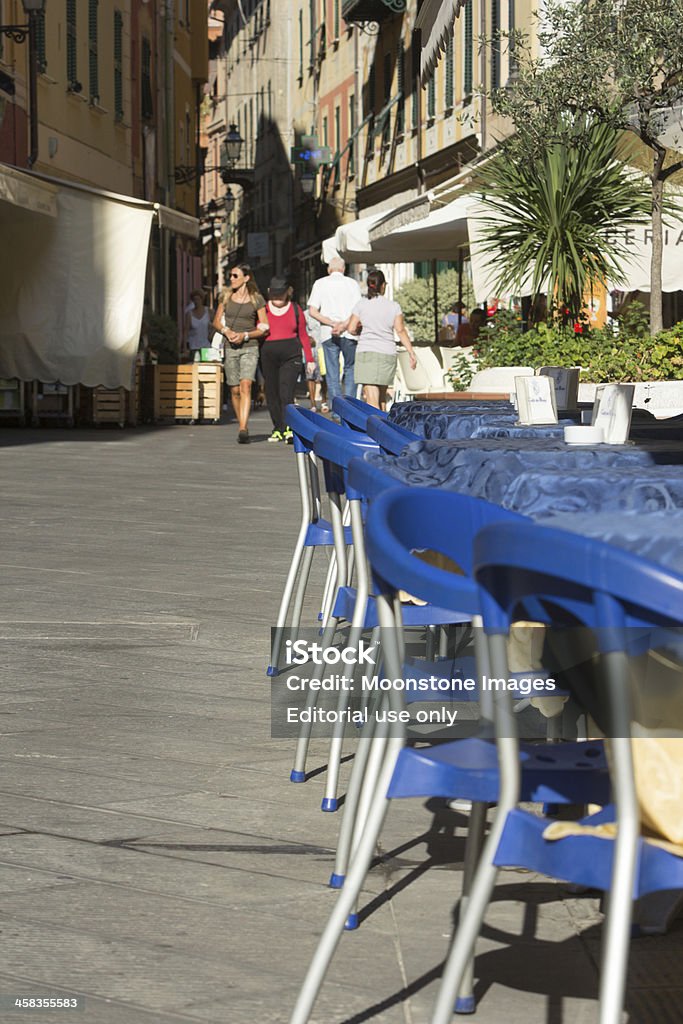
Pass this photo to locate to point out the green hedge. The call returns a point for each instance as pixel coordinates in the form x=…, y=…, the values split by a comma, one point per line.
x=630, y=355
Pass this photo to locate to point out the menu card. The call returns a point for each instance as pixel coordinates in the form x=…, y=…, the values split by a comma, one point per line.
x=566, y=380
x=612, y=411
x=535, y=400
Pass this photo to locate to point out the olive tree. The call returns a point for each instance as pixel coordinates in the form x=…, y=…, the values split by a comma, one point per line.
x=618, y=62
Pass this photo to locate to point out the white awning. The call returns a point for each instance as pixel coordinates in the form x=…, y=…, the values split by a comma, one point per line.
x=435, y=21
x=73, y=288
x=27, y=192
x=177, y=222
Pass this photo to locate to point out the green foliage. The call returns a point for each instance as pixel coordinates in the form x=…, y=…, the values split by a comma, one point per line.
x=162, y=336
x=460, y=372
x=416, y=299
x=617, y=63
x=549, y=214
x=604, y=357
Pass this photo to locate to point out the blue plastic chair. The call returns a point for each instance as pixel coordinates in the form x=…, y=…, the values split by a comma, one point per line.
x=353, y=604
x=315, y=532
x=617, y=594
x=354, y=412
x=391, y=437
x=399, y=521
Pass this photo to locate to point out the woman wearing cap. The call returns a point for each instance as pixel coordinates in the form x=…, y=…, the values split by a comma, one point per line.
x=281, y=354
x=378, y=320
x=241, y=319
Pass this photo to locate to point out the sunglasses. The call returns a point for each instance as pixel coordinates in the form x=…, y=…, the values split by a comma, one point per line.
x=235, y=275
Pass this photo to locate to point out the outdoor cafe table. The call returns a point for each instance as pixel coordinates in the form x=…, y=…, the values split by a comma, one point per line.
x=486, y=467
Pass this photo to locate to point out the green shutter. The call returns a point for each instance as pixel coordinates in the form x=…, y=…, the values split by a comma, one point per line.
x=118, y=65
x=431, y=97
x=495, y=44
x=40, y=41
x=468, y=55
x=401, y=87
x=71, y=63
x=93, y=69
x=448, y=85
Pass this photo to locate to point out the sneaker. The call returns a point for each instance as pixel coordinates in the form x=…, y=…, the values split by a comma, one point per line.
x=243, y=437
x=277, y=436
x=288, y=436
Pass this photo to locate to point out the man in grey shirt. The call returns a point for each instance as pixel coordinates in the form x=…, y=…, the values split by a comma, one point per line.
x=331, y=301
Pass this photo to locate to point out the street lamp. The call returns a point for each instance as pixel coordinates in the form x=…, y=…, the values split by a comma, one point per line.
x=229, y=202
x=19, y=34
x=307, y=184
x=232, y=146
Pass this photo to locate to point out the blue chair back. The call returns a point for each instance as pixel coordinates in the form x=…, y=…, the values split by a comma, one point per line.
x=367, y=479
x=336, y=446
x=304, y=424
x=391, y=437
x=607, y=588
x=403, y=520
x=354, y=413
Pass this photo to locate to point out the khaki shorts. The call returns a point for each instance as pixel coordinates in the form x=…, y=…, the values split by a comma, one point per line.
x=240, y=364
x=374, y=368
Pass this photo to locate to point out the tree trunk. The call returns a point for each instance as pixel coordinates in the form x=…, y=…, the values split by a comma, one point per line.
x=656, y=319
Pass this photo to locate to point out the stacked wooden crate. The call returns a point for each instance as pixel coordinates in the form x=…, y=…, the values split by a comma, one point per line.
x=176, y=392
x=210, y=387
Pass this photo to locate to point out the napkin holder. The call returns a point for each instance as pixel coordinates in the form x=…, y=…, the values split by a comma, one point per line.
x=535, y=401
x=612, y=411
x=566, y=380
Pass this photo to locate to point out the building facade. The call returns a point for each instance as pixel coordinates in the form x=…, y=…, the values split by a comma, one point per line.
x=118, y=94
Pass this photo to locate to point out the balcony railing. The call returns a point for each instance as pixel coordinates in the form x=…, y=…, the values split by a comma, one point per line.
x=371, y=10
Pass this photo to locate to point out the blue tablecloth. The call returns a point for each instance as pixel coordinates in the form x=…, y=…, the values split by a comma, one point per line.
x=615, y=488
x=428, y=419
x=487, y=467
x=501, y=431
x=657, y=536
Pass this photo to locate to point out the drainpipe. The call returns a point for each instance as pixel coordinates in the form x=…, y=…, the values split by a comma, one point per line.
x=169, y=149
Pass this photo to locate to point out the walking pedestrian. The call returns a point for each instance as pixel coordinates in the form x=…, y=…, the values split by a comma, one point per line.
x=197, y=324
x=281, y=354
x=241, y=319
x=331, y=301
x=379, y=320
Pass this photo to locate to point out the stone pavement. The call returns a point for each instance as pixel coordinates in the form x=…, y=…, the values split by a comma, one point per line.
x=154, y=859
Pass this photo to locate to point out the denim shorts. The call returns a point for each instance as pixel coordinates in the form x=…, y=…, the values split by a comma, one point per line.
x=240, y=364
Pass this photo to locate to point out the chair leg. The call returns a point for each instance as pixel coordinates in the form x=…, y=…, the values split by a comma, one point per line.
x=616, y=937
x=349, y=894
x=300, y=595
x=464, y=1002
x=329, y=590
x=298, y=772
x=285, y=602
x=353, y=791
x=355, y=636
x=472, y=916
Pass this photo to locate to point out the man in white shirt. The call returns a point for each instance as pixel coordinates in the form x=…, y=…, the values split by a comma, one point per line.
x=331, y=301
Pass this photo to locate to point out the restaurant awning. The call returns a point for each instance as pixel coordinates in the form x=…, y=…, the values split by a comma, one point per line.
x=435, y=22
x=72, y=285
x=27, y=193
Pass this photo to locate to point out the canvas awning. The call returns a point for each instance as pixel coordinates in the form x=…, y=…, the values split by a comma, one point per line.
x=72, y=285
x=27, y=193
x=435, y=22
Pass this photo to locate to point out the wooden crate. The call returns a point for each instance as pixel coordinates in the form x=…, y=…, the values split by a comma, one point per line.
x=176, y=394
x=12, y=399
x=210, y=386
x=52, y=402
x=109, y=405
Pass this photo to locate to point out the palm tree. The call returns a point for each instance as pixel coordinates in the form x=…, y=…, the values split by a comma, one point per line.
x=549, y=215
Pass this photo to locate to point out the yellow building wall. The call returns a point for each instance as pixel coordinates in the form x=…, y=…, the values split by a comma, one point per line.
x=79, y=136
